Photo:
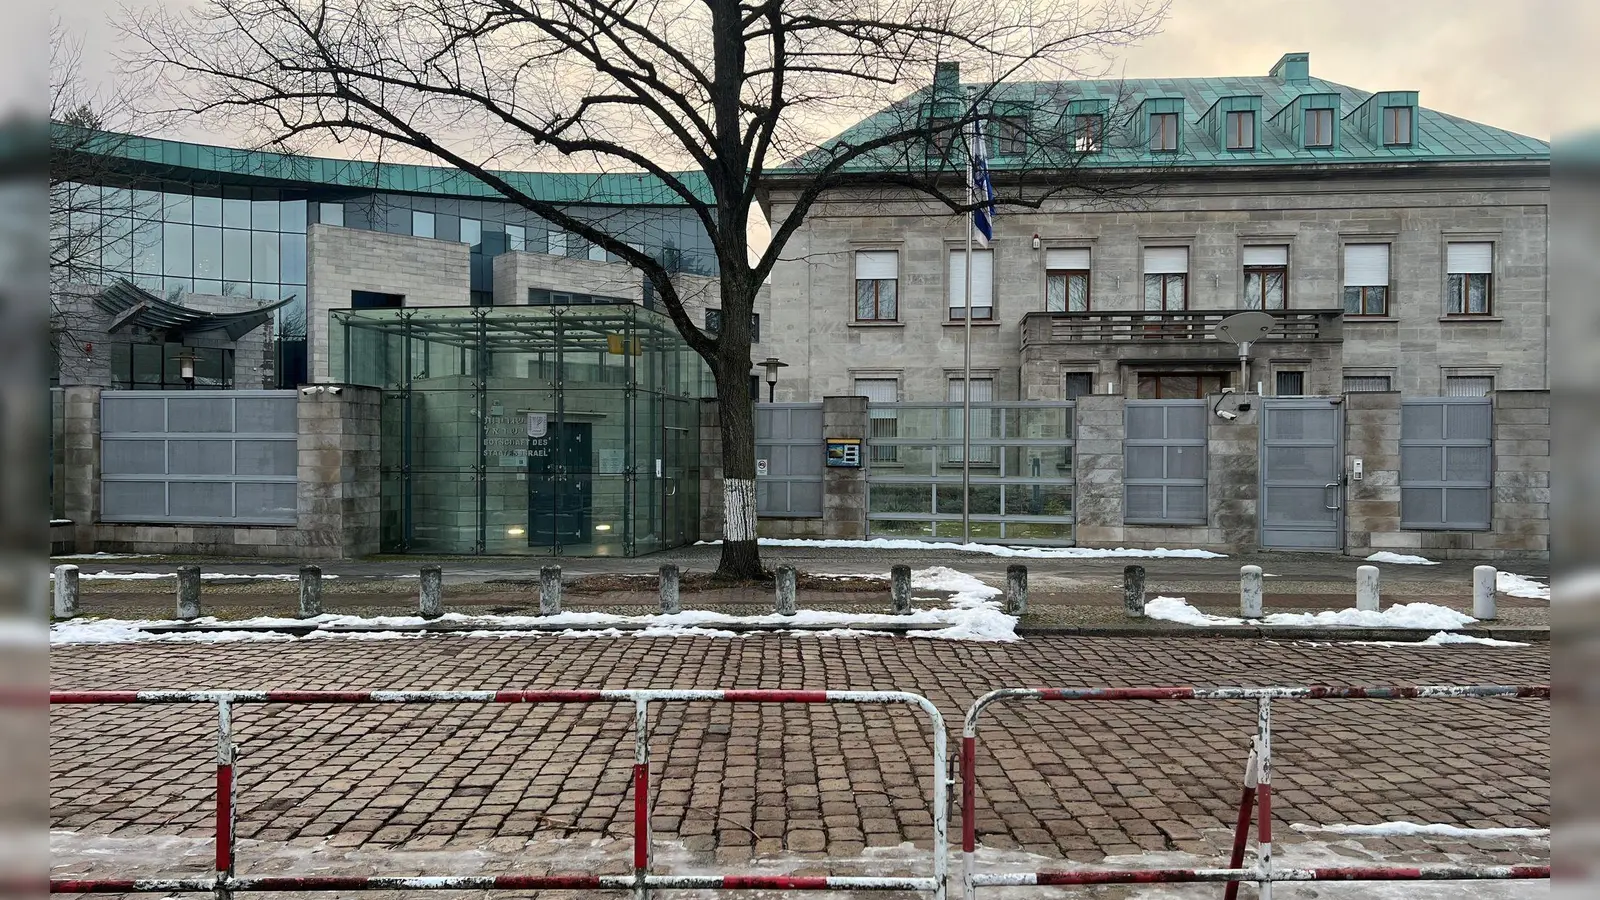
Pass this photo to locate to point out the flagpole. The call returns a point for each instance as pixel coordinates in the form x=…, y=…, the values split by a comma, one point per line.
x=966, y=349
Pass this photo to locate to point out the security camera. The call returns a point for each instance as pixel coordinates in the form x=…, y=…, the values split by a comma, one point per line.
x=1224, y=414
x=309, y=390
x=334, y=390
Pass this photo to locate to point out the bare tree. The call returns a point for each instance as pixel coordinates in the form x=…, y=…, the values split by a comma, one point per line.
x=716, y=99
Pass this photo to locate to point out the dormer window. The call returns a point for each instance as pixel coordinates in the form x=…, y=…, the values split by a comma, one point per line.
x=1163, y=132
x=1241, y=134
x=1088, y=133
x=1319, y=128
x=941, y=137
x=1397, y=126
x=1011, y=136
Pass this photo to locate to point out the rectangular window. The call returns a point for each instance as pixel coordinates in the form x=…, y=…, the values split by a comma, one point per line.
x=942, y=134
x=1066, y=281
x=1266, y=277
x=1088, y=133
x=1166, y=278
x=1011, y=136
x=1289, y=384
x=1180, y=385
x=1357, y=384
x=1318, y=128
x=881, y=423
x=516, y=238
x=1468, y=385
x=877, y=285
x=1397, y=126
x=1241, y=128
x=1446, y=464
x=597, y=253
x=982, y=285
x=983, y=421
x=376, y=300
x=1077, y=384
x=330, y=213
x=421, y=224
x=1469, y=285
x=1366, y=279
x=471, y=232
x=558, y=243
x=1163, y=132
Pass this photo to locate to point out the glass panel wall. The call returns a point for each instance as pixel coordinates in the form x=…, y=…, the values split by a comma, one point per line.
x=530, y=430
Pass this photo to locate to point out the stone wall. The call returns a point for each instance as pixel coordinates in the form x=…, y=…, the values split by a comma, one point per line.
x=844, y=491
x=425, y=271
x=1372, y=505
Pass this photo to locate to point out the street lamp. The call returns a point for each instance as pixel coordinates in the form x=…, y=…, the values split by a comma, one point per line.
x=772, y=365
x=186, y=360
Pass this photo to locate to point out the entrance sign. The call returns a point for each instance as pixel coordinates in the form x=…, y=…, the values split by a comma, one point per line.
x=538, y=424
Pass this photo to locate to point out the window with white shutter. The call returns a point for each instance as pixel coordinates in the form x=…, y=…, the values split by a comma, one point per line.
x=1166, y=278
x=982, y=284
x=877, y=285
x=1468, y=385
x=1356, y=384
x=1366, y=279
x=983, y=421
x=1470, y=278
x=1066, y=280
x=881, y=422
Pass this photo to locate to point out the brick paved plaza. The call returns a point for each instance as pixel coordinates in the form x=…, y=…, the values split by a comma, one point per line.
x=445, y=789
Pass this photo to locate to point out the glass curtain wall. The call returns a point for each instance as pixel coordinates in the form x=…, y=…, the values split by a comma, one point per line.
x=530, y=430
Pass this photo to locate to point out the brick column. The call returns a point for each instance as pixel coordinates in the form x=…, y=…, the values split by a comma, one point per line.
x=1372, y=505
x=80, y=463
x=339, y=497
x=844, y=491
x=1098, y=467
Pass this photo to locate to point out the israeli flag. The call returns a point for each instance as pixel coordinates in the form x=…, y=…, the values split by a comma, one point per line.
x=981, y=186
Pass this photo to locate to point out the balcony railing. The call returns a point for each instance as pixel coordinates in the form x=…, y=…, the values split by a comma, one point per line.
x=1041, y=328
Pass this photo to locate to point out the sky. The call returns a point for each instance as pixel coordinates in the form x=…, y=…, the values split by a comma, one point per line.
x=1514, y=64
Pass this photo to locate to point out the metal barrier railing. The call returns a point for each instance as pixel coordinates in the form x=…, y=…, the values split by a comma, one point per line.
x=1257, y=793
x=226, y=881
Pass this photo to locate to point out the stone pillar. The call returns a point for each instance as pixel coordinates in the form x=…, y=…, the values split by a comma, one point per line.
x=1484, y=584
x=338, y=503
x=1521, y=497
x=785, y=600
x=188, y=593
x=550, y=591
x=1367, y=588
x=1233, y=476
x=900, y=589
x=80, y=469
x=1098, y=466
x=1016, y=589
x=1133, y=591
x=844, y=491
x=66, y=592
x=310, y=591
x=670, y=602
x=430, y=598
x=1250, y=602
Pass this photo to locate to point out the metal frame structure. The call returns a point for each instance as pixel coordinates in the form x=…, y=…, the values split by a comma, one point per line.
x=1257, y=792
x=226, y=881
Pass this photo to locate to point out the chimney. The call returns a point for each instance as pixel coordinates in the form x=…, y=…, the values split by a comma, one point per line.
x=947, y=80
x=1292, y=68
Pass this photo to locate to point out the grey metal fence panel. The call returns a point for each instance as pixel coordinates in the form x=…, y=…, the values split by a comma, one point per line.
x=1446, y=463
x=1164, y=462
x=1021, y=471
x=184, y=457
x=789, y=437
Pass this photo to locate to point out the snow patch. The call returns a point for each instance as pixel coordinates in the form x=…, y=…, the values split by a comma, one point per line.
x=988, y=549
x=1521, y=586
x=1400, y=559
x=1401, y=615
x=1444, y=638
x=1413, y=829
x=1177, y=609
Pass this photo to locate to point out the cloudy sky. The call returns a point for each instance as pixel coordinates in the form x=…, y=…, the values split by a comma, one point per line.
x=1515, y=64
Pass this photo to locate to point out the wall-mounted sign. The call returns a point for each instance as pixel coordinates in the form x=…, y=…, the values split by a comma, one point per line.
x=538, y=424
x=761, y=467
x=844, y=453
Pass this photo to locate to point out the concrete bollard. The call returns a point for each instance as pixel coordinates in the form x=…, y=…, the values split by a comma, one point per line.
x=550, y=591
x=900, y=590
x=1250, y=592
x=670, y=604
x=1483, y=591
x=1016, y=590
x=66, y=592
x=1133, y=591
x=310, y=591
x=430, y=602
x=785, y=603
x=188, y=593
x=1367, y=588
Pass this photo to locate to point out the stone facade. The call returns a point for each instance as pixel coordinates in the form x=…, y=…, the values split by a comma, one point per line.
x=813, y=325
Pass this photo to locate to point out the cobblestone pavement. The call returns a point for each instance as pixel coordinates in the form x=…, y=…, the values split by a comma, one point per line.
x=454, y=788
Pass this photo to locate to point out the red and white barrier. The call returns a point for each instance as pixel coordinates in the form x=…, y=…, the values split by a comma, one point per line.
x=1257, y=793
x=225, y=882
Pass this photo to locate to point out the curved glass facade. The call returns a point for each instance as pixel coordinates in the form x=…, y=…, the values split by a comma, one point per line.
x=530, y=430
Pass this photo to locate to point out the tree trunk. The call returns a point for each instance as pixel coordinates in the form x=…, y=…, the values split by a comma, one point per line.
x=741, y=558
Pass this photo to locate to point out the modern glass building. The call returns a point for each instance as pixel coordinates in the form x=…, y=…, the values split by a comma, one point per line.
x=536, y=430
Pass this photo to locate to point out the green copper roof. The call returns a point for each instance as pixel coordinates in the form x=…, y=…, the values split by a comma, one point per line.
x=1439, y=137
x=203, y=163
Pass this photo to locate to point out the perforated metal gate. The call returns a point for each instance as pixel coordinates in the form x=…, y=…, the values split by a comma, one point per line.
x=1302, y=483
x=1446, y=463
x=789, y=459
x=1164, y=462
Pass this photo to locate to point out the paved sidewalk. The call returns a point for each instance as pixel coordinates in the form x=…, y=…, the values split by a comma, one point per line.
x=359, y=790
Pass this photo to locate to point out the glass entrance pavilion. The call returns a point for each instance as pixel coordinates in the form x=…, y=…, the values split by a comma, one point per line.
x=530, y=430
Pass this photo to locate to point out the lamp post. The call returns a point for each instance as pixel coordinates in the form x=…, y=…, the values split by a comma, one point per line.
x=186, y=360
x=772, y=365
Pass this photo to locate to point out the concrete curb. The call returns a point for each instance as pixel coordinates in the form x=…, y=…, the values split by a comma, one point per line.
x=1329, y=634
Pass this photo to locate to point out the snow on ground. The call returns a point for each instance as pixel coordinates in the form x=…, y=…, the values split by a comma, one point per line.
x=1444, y=638
x=971, y=613
x=1401, y=615
x=989, y=549
x=204, y=576
x=1521, y=586
x=102, y=555
x=1414, y=829
x=1400, y=559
